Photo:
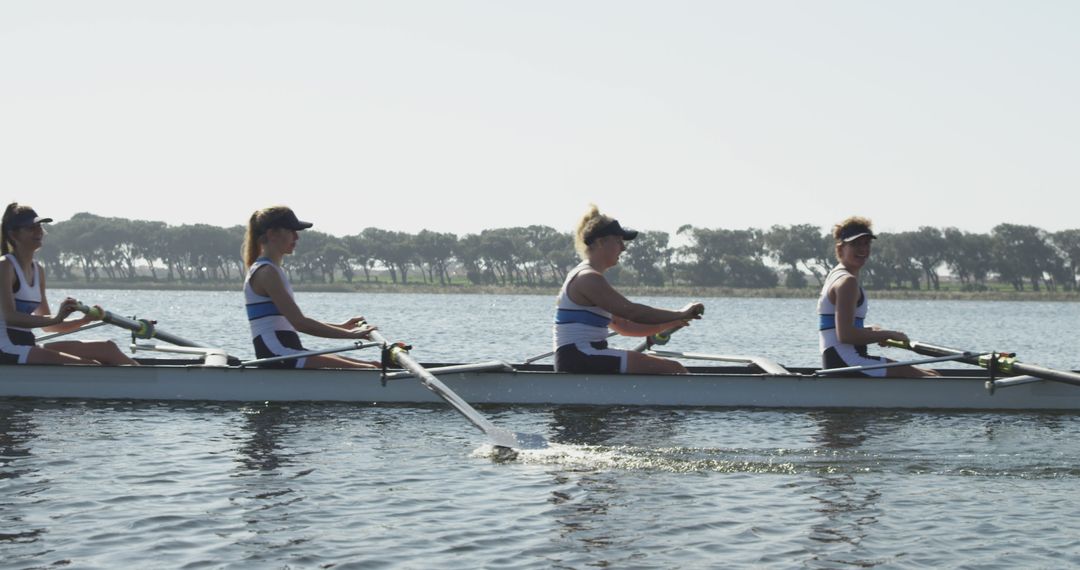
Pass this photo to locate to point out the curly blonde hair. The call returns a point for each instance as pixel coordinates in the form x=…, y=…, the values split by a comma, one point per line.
x=838, y=229
x=589, y=223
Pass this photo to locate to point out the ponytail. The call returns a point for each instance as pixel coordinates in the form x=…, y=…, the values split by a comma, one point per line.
x=6, y=245
x=257, y=227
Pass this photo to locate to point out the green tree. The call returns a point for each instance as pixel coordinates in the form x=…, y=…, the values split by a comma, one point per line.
x=794, y=246
x=647, y=256
x=1021, y=252
x=435, y=250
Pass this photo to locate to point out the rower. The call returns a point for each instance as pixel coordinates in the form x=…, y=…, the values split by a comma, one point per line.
x=272, y=311
x=24, y=305
x=588, y=305
x=842, y=308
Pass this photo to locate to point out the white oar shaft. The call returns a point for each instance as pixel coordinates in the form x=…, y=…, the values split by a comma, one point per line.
x=78, y=330
x=849, y=369
x=992, y=385
x=499, y=436
x=355, y=346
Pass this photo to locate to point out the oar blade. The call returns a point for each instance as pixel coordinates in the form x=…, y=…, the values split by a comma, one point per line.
x=516, y=440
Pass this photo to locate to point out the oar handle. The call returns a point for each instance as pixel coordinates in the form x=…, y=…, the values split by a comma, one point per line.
x=661, y=338
x=141, y=328
x=897, y=344
x=96, y=313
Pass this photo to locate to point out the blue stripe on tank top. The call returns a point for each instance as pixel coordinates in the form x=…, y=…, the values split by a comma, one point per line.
x=260, y=310
x=26, y=307
x=827, y=322
x=574, y=316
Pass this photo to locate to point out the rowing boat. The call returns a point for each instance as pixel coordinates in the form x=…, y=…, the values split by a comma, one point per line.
x=532, y=384
x=754, y=382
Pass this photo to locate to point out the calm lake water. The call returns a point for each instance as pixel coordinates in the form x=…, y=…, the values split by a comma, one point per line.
x=210, y=485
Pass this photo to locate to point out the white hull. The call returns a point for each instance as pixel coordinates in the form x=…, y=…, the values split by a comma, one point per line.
x=720, y=386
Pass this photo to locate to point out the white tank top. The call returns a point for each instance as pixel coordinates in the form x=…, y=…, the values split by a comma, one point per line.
x=576, y=323
x=263, y=315
x=827, y=309
x=28, y=294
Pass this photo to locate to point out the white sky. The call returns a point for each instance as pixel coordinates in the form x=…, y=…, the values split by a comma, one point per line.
x=464, y=115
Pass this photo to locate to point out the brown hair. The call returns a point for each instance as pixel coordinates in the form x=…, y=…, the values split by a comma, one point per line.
x=258, y=224
x=851, y=221
x=13, y=209
x=589, y=223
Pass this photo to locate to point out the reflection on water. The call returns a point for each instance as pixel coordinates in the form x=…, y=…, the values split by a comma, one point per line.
x=261, y=431
x=593, y=425
x=848, y=505
x=17, y=430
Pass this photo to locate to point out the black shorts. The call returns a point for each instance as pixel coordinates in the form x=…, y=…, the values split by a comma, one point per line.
x=282, y=343
x=591, y=358
x=16, y=347
x=831, y=358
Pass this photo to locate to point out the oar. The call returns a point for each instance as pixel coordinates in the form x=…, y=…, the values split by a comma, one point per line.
x=659, y=338
x=880, y=365
x=78, y=330
x=1000, y=362
x=141, y=328
x=354, y=346
x=498, y=436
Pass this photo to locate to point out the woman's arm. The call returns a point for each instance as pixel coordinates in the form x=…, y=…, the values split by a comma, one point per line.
x=594, y=289
x=270, y=283
x=41, y=317
x=630, y=328
x=43, y=309
x=847, y=298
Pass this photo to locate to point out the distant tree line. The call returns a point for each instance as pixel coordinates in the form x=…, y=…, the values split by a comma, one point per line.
x=91, y=248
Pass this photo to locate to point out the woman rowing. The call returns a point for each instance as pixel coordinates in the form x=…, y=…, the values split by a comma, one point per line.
x=842, y=308
x=272, y=312
x=588, y=305
x=24, y=305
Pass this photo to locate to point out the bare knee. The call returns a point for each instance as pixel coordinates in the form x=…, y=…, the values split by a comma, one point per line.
x=644, y=364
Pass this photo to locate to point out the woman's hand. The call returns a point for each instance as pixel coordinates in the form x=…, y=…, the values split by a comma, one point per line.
x=363, y=331
x=887, y=335
x=353, y=323
x=67, y=306
x=693, y=311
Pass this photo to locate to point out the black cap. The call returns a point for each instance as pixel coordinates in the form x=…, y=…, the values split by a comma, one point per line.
x=26, y=219
x=853, y=232
x=612, y=228
x=287, y=220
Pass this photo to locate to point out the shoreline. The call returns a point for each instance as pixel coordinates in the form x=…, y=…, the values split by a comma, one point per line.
x=688, y=292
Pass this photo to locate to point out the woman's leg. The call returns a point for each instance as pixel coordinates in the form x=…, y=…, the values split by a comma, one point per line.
x=638, y=363
x=40, y=355
x=910, y=372
x=335, y=361
x=104, y=351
